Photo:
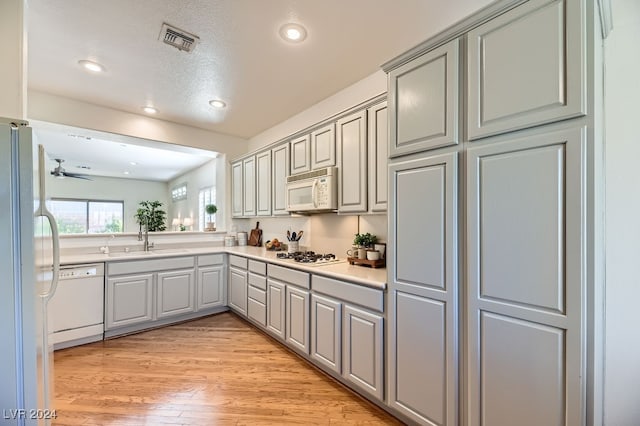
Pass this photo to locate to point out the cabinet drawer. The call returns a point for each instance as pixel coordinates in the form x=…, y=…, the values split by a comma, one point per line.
x=258, y=267
x=257, y=312
x=211, y=259
x=257, y=295
x=237, y=261
x=257, y=281
x=357, y=294
x=291, y=276
x=155, y=265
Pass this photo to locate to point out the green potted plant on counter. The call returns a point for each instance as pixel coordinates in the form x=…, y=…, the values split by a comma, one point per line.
x=364, y=242
x=150, y=216
x=211, y=209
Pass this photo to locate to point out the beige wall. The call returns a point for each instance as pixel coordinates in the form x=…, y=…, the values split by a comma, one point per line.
x=13, y=64
x=622, y=91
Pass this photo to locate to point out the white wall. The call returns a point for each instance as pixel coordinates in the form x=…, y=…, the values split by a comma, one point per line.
x=13, y=64
x=131, y=191
x=195, y=179
x=622, y=152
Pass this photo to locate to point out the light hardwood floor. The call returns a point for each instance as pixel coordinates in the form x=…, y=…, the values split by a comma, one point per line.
x=213, y=371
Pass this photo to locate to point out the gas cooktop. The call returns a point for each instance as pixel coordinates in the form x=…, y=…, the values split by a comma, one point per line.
x=310, y=258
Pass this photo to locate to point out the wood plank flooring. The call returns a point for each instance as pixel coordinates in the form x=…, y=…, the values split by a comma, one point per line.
x=212, y=371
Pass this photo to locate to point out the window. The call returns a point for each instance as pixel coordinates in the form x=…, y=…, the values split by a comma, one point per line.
x=179, y=192
x=87, y=216
x=205, y=196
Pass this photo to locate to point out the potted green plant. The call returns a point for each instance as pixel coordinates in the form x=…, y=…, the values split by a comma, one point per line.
x=363, y=242
x=150, y=216
x=211, y=209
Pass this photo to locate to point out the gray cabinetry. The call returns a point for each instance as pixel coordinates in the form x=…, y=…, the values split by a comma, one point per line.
x=301, y=154
x=238, y=283
x=525, y=221
x=257, y=293
x=423, y=102
x=237, y=189
x=279, y=173
x=276, y=308
x=210, y=282
x=351, y=141
x=175, y=293
x=249, y=186
x=263, y=183
x=378, y=141
x=326, y=332
x=423, y=285
x=526, y=67
x=323, y=147
x=297, y=318
x=129, y=300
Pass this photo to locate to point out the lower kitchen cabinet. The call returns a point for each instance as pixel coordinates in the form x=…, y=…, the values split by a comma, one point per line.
x=175, y=293
x=275, y=308
x=297, y=318
x=238, y=290
x=129, y=300
x=257, y=293
x=326, y=327
x=362, y=350
x=210, y=287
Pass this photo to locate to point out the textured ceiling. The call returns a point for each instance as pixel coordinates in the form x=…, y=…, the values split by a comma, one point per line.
x=240, y=57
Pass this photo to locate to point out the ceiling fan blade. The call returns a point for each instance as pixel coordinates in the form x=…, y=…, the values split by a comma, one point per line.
x=76, y=175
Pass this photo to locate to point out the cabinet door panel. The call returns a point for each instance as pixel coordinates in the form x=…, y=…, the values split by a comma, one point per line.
x=276, y=308
x=129, y=300
x=238, y=290
x=175, y=293
x=423, y=101
x=378, y=141
x=363, y=363
x=249, y=180
x=297, y=327
x=352, y=155
x=280, y=172
x=263, y=184
x=300, y=154
x=525, y=205
x=237, y=188
x=543, y=85
x=210, y=287
x=326, y=332
x=323, y=147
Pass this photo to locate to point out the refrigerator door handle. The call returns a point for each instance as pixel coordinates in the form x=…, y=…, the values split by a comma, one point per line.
x=43, y=212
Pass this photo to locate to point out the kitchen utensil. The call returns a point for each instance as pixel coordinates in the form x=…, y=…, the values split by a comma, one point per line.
x=299, y=235
x=288, y=236
x=294, y=236
x=255, y=239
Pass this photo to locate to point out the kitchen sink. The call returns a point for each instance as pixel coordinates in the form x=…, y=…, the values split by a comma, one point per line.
x=129, y=253
x=169, y=251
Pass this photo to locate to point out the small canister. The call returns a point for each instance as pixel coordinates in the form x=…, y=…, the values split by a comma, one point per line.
x=229, y=241
x=242, y=238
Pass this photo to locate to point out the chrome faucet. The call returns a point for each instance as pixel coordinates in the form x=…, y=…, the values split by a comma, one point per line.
x=146, y=245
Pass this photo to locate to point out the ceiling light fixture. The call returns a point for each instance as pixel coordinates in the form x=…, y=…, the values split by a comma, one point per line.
x=217, y=103
x=91, y=66
x=125, y=172
x=150, y=109
x=133, y=163
x=294, y=33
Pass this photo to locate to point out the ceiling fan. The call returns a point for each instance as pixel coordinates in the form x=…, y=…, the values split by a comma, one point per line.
x=61, y=173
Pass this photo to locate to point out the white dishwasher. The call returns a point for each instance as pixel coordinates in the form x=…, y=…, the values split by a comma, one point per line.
x=76, y=310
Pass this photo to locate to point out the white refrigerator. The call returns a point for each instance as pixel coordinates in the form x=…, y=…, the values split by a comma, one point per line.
x=29, y=268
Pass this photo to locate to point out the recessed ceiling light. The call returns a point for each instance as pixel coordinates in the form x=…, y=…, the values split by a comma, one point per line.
x=294, y=33
x=125, y=172
x=217, y=103
x=91, y=66
x=150, y=110
x=133, y=163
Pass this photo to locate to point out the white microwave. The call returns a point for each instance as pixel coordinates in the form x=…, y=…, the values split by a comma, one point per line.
x=313, y=191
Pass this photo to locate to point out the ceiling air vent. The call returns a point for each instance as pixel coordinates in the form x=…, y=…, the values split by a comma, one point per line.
x=178, y=38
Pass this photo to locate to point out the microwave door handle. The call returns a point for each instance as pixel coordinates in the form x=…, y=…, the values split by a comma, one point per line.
x=314, y=193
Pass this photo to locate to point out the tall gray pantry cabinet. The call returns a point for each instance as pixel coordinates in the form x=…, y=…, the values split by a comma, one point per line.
x=490, y=180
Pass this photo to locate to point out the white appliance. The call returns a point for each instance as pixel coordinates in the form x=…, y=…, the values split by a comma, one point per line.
x=315, y=191
x=29, y=261
x=76, y=311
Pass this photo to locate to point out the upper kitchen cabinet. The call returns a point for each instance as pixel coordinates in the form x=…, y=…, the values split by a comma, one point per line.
x=352, y=159
x=237, y=189
x=301, y=154
x=378, y=140
x=423, y=102
x=526, y=67
x=263, y=183
x=249, y=188
x=279, y=174
x=323, y=147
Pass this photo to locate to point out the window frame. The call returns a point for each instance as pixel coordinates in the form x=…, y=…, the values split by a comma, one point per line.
x=87, y=202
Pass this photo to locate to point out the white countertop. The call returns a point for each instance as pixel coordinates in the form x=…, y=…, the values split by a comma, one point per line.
x=364, y=275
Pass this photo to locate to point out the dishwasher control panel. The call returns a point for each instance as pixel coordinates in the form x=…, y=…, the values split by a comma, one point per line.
x=80, y=271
